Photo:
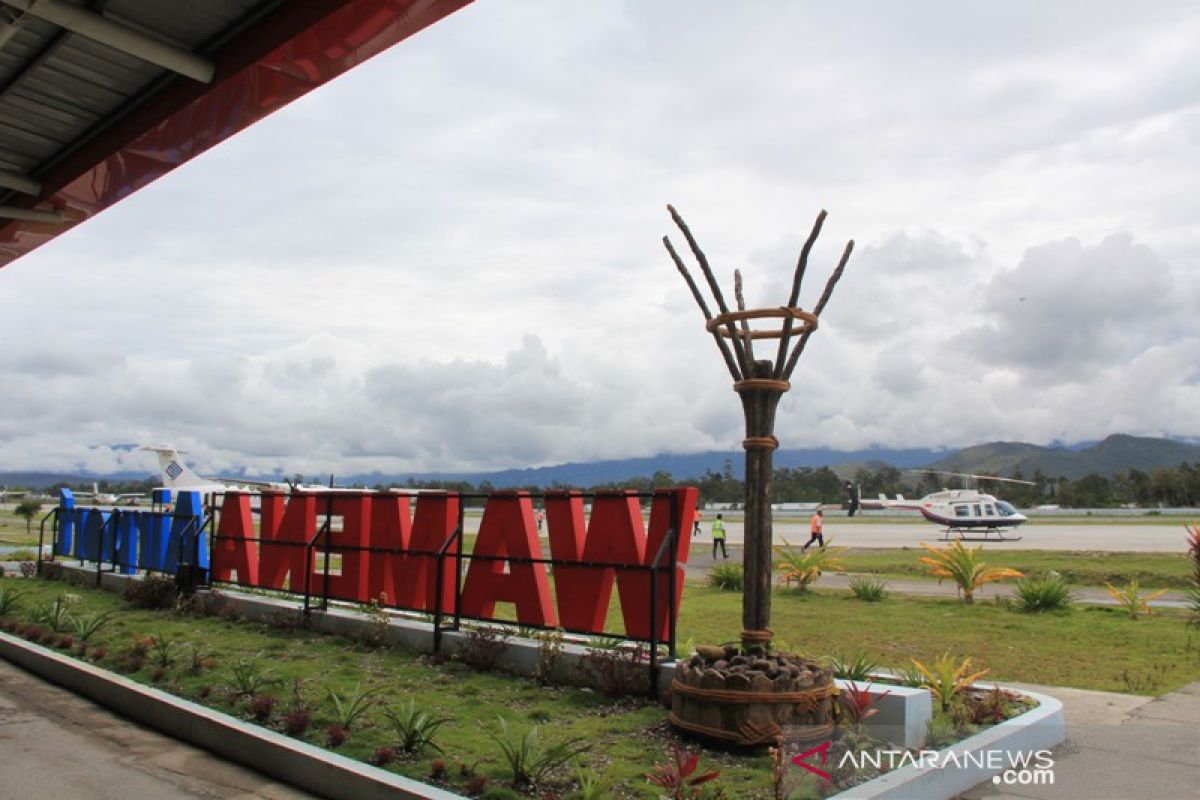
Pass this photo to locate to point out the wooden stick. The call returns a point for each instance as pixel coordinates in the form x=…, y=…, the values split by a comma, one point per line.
x=687, y=276
x=794, y=297
x=747, y=339
x=829, y=285
x=747, y=365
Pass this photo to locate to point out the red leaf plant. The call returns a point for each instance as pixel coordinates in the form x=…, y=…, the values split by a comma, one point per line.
x=858, y=703
x=676, y=775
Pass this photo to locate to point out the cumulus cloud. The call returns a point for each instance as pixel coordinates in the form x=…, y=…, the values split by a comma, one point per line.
x=467, y=271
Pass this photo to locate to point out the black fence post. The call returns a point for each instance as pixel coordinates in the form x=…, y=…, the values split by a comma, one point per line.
x=672, y=610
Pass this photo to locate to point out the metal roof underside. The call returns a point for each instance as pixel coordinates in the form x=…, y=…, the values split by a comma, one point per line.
x=98, y=99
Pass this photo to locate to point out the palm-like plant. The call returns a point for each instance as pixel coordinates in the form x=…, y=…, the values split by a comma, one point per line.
x=1132, y=598
x=945, y=681
x=415, y=729
x=347, y=710
x=803, y=567
x=963, y=566
x=528, y=759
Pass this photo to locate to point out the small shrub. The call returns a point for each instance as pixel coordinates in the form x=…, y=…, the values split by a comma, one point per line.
x=335, y=735
x=529, y=761
x=617, y=673
x=56, y=615
x=10, y=600
x=247, y=678
x=1045, y=593
x=349, y=709
x=803, y=567
x=89, y=625
x=482, y=648
x=1132, y=598
x=964, y=566
x=262, y=706
x=728, y=577
x=415, y=729
x=159, y=673
x=437, y=769
x=550, y=651
x=28, y=569
x=868, y=589
x=678, y=776
x=163, y=649
x=945, y=681
x=858, y=705
x=383, y=756
x=152, y=592
x=858, y=667
x=296, y=721
x=592, y=786
x=99, y=653
x=476, y=785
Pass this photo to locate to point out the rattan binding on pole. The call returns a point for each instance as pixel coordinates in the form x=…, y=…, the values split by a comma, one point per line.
x=721, y=322
x=762, y=636
x=769, y=442
x=752, y=736
x=761, y=384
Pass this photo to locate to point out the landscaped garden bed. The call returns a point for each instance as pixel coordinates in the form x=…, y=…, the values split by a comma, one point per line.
x=333, y=693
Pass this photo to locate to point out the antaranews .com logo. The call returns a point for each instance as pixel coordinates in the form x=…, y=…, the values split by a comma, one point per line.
x=1021, y=768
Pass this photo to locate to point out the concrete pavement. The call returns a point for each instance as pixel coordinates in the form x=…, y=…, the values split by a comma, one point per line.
x=1118, y=747
x=56, y=745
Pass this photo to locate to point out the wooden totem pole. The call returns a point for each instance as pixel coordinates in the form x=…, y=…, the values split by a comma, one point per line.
x=760, y=384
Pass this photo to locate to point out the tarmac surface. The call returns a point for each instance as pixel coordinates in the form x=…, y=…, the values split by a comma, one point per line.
x=1118, y=747
x=58, y=745
x=1034, y=535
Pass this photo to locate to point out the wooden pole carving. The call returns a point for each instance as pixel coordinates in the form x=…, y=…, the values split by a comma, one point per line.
x=760, y=384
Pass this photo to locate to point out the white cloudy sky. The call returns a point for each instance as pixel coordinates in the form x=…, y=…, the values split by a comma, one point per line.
x=450, y=257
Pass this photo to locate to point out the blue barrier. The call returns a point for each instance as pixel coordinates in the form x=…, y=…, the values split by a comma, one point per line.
x=135, y=539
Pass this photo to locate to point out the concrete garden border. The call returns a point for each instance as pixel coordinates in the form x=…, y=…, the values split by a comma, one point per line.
x=988, y=754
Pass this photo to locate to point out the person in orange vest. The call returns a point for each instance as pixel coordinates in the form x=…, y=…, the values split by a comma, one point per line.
x=696, y=524
x=816, y=530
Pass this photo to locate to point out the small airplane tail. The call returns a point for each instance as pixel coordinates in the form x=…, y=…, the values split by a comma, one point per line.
x=176, y=475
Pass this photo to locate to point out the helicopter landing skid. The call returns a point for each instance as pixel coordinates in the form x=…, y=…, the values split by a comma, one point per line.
x=957, y=535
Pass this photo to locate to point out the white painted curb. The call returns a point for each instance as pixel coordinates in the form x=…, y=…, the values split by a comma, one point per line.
x=1038, y=729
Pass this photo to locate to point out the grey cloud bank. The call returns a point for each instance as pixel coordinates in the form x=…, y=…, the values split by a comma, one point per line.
x=449, y=258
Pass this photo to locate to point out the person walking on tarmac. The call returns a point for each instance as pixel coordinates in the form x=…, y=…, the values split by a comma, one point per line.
x=718, y=534
x=816, y=531
x=696, y=524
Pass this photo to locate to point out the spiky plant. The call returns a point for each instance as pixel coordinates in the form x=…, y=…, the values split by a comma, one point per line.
x=803, y=567
x=1132, y=598
x=945, y=680
x=964, y=566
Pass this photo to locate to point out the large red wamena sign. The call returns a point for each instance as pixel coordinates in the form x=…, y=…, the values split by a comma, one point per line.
x=388, y=545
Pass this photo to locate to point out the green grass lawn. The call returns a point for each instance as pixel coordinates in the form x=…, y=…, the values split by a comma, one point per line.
x=1088, y=647
x=1085, y=568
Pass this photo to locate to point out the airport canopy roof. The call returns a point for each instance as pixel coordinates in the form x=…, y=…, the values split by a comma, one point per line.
x=98, y=98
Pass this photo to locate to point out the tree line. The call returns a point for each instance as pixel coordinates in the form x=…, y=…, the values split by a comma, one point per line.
x=1162, y=486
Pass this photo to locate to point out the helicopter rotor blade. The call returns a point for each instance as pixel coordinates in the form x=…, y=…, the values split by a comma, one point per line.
x=973, y=476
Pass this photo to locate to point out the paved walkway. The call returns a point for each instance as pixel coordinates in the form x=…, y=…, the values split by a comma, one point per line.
x=1119, y=747
x=58, y=745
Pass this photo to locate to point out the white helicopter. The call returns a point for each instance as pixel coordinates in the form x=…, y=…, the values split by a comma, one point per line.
x=961, y=511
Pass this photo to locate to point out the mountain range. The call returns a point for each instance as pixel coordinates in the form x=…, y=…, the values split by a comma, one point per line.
x=1117, y=453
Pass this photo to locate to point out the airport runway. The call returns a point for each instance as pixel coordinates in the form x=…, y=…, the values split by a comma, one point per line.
x=1114, y=537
